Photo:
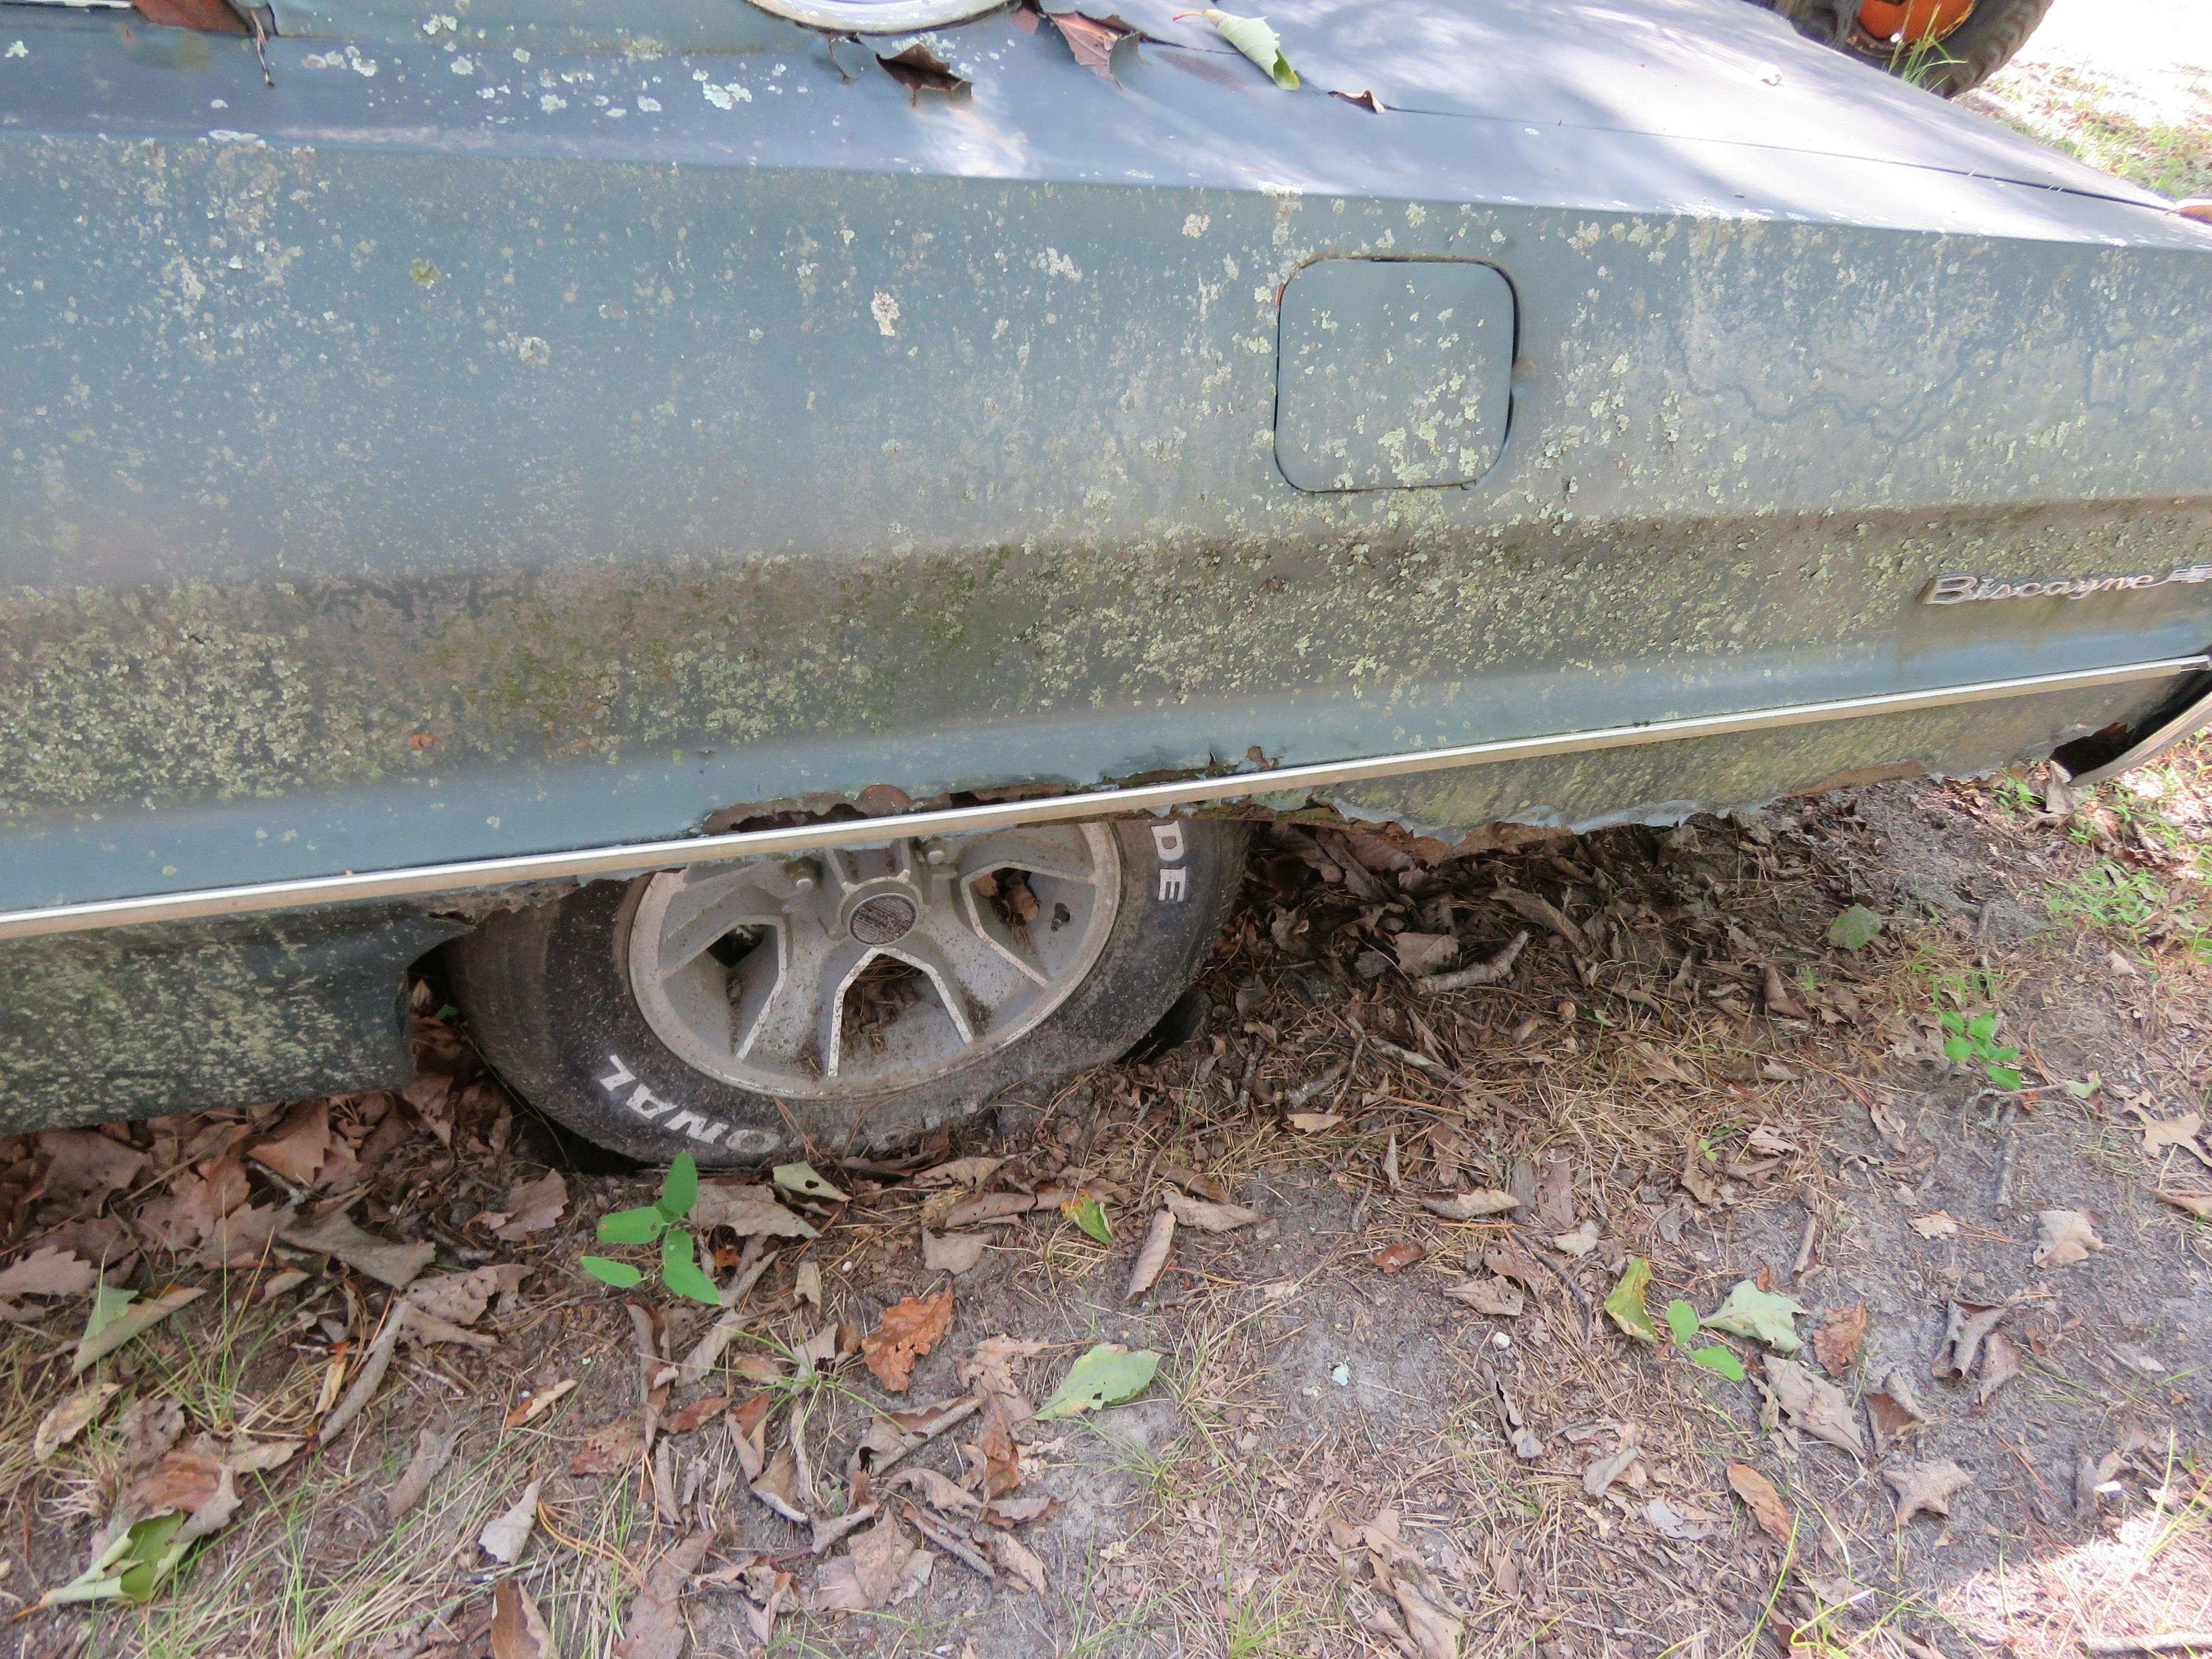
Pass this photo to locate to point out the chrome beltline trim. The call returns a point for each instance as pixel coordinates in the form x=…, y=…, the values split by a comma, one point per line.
x=629, y=860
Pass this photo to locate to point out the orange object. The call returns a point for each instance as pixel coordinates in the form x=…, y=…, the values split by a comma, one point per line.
x=1913, y=20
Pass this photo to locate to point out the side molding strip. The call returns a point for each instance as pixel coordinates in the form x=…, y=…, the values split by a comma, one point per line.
x=637, y=857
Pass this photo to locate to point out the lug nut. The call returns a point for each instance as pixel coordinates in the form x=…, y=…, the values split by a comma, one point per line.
x=937, y=852
x=806, y=874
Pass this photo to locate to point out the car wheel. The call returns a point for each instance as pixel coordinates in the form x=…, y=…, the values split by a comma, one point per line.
x=1948, y=46
x=854, y=997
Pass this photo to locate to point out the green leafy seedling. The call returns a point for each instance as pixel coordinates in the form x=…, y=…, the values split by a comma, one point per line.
x=1627, y=1305
x=680, y=1270
x=679, y=1254
x=1683, y=1322
x=1107, y=1375
x=620, y=1275
x=1973, y=1042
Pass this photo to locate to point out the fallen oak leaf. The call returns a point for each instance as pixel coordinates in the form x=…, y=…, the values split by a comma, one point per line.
x=1926, y=1486
x=2068, y=1237
x=746, y=1209
x=74, y=1412
x=536, y=1404
x=907, y=1331
x=2198, y=1204
x=335, y=1235
x=1815, y=1404
x=1018, y=1562
x=518, y=1629
x=48, y=1272
x=1937, y=1225
x=534, y=1207
x=1493, y=1296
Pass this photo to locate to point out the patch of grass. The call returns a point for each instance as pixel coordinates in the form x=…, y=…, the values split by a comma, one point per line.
x=2070, y=112
x=2110, y=896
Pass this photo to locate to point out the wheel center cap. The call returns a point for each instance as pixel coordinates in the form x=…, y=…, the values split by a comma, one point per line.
x=883, y=919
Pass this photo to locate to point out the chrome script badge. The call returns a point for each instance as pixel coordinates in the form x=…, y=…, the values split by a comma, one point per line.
x=1966, y=590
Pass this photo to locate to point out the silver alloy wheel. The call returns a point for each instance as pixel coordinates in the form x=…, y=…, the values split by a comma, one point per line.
x=865, y=971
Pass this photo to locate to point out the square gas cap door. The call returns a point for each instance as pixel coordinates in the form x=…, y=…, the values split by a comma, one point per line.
x=1392, y=374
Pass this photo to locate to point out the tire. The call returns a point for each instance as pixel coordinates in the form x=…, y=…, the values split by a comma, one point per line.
x=1966, y=56
x=551, y=995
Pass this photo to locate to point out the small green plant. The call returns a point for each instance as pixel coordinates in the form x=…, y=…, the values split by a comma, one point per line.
x=2017, y=794
x=679, y=1252
x=1682, y=1320
x=1973, y=1041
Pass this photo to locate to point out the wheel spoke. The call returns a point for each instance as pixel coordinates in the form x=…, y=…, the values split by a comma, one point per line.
x=1051, y=849
x=709, y=908
x=792, y=1024
x=973, y=978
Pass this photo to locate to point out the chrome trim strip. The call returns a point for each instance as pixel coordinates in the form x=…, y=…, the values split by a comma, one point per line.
x=423, y=879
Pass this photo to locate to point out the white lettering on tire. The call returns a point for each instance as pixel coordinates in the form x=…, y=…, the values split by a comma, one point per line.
x=701, y=1129
x=1167, y=841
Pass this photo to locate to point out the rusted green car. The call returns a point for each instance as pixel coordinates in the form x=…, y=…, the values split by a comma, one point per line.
x=789, y=539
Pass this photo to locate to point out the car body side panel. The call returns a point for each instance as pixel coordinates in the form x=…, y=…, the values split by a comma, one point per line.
x=440, y=454
x=137, y=1022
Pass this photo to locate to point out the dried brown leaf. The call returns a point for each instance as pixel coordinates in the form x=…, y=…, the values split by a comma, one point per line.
x=1471, y=1207
x=1760, y=1498
x=533, y=1206
x=1152, y=1259
x=654, y=1628
x=1841, y=1333
x=518, y=1629
x=952, y=1252
x=1396, y=1258
x=296, y=1149
x=910, y=1329
x=1494, y=1295
x=1211, y=1217
x=47, y=1272
x=610, y=1448
x=1926, y=1486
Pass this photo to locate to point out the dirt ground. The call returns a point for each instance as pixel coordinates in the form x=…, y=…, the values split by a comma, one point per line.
x=1372, y=1429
